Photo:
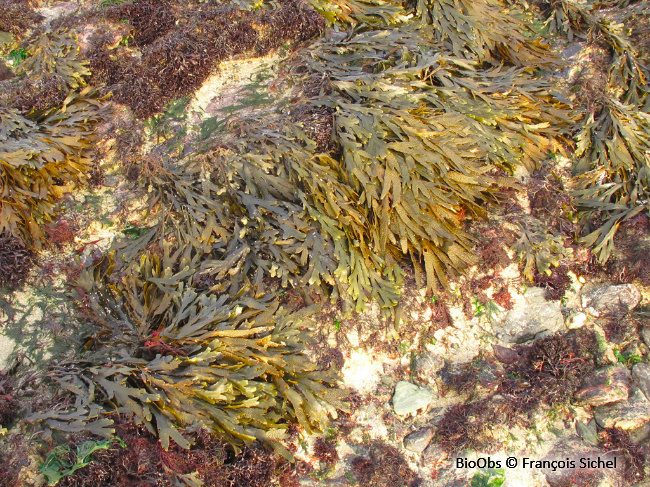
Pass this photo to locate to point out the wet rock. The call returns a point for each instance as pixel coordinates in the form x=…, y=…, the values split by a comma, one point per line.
x=641, y=377
x=408, y=398
x=505, y=355
x=534, y=318
x=627, y=415
x=588, y=432
x=419, y=439
x=603, y=386
x=611, y=299
x=452, y=374
x=604, y=352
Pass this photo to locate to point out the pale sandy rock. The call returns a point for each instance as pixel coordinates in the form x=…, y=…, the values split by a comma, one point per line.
x=531, y=318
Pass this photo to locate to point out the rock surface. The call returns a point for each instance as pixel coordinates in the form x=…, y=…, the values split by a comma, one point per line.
x=505, y=355
x=533, y=318
x=645, y=335
x=419, y=439
x=641, y=377
x=408, y=398
x=573, y=449
x=627, y=415
x=604, y=386
x=427, y=365
x=611, y=299
x=588, y=432
x=576, y=320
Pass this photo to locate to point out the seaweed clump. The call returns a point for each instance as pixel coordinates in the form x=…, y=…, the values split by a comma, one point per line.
x=172, y=358
x=384, y=466
x=546, y=374
x=176, y=59
x=43, y=155
x=149, y=19
x=613, y=141
x=634, y=455
x=17, y=16
x=51, y=68
x=209, y=462
x=16, y=260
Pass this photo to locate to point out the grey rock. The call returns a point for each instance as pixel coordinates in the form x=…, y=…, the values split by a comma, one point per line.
x=419, y=439
x=408, y=398
x=627, y=415
x=645, y=335
x=505, y=355
x=588, y=432
x=572, y=50
x=603, y=386
x=534, y=318
x=641, y=377
x=610, y=299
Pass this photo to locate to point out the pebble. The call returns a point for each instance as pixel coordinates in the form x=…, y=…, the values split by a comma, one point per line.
x=409, y=398
x=419, y=439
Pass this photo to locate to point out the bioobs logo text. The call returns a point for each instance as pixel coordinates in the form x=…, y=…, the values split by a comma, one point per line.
x=478, y=463
x=512, y=462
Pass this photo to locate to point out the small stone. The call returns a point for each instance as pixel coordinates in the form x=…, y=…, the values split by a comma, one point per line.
x=645, y=335
x=641, y=377
x=419, y=439
x=627, y=415
x=604, y=386
x=577, y=320
x=408, y=398
x=588, y=432
x=610, y=299
x=505, y=355
x=534, y=318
